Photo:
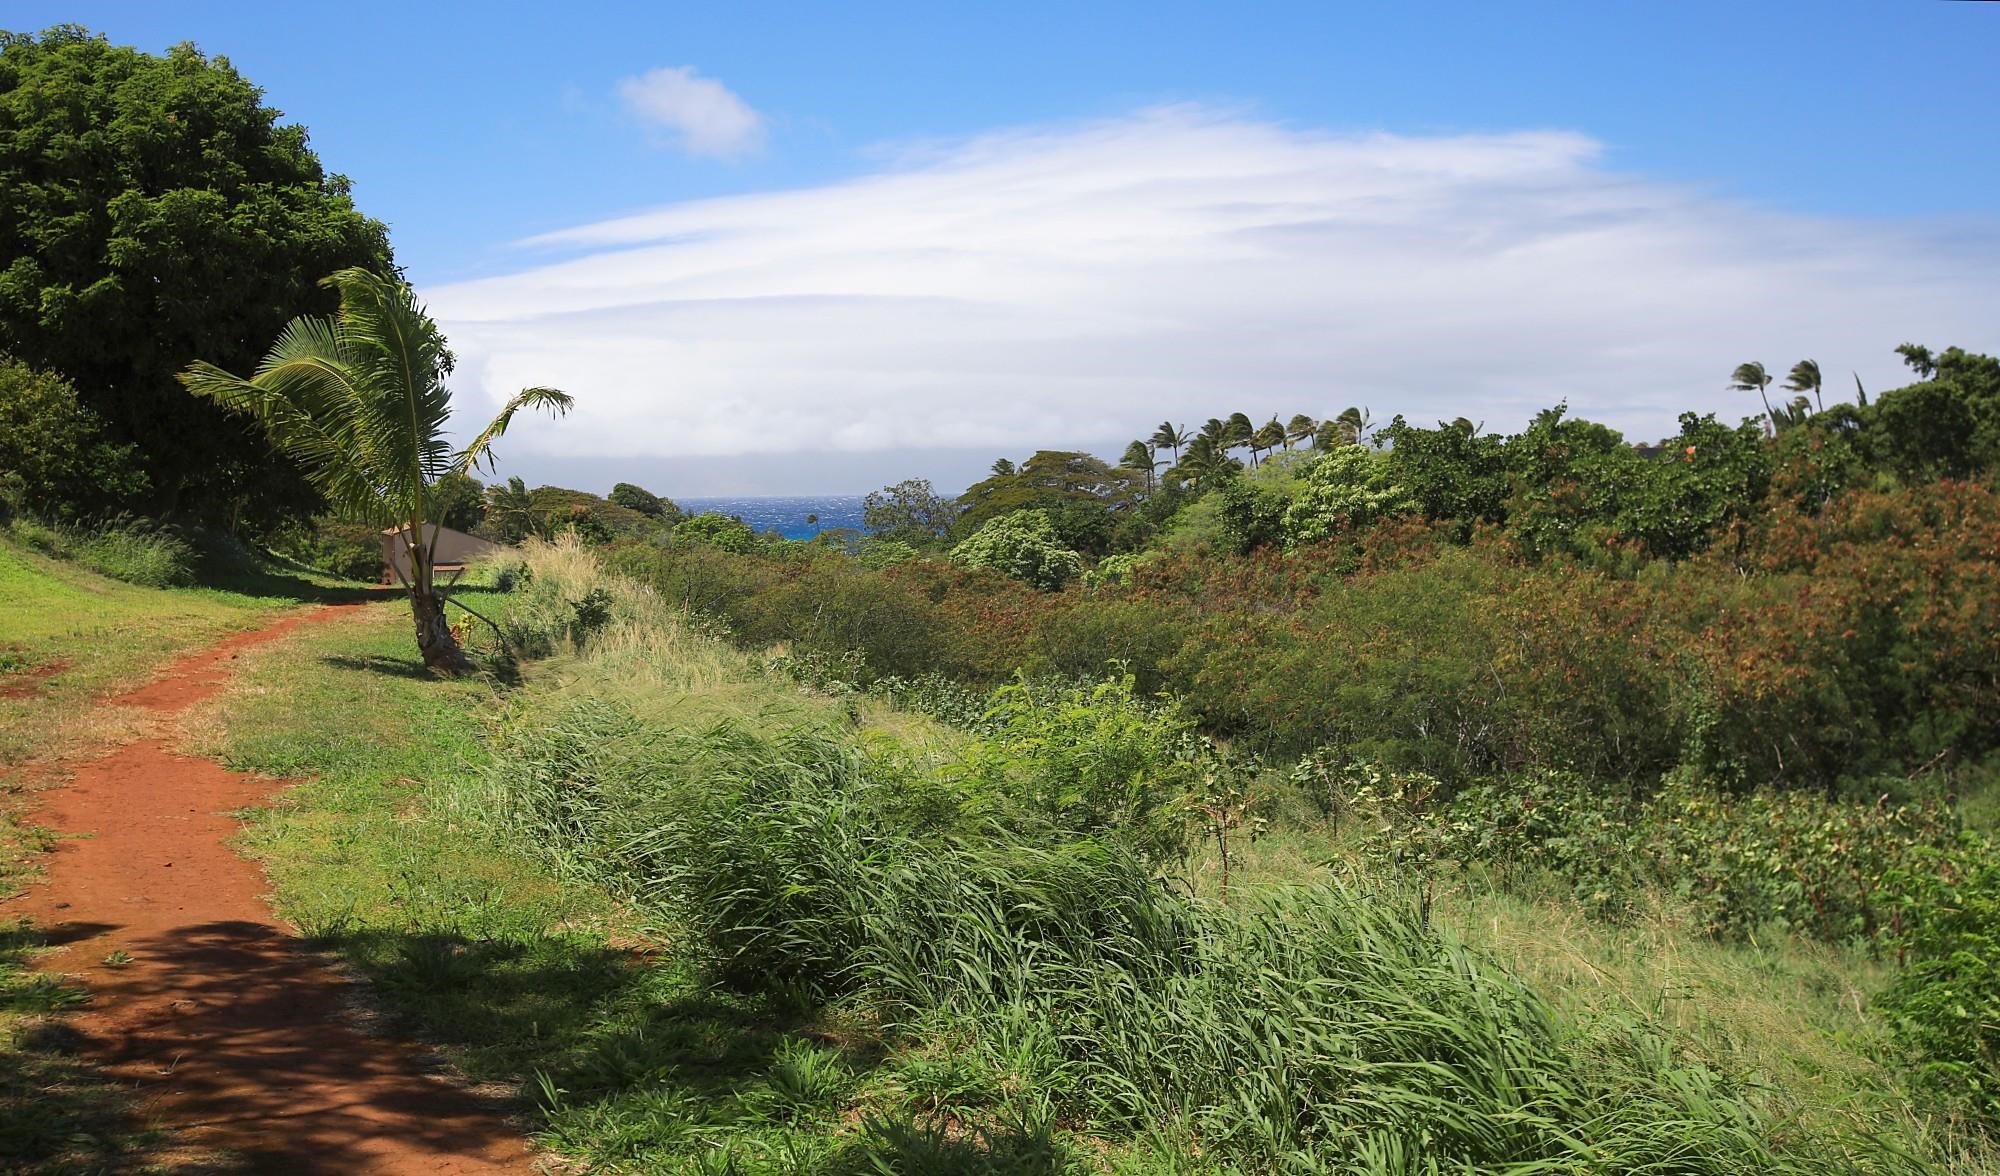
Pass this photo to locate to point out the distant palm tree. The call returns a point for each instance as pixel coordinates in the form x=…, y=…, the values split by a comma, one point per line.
x=359, y=401
x=1002, y=468
x=1267, y=438
x=1239, y=430
x=512, y=509
x=1354, y=425
x=1464, y=425
x=1796, y=412
x=1920, y=359
x=1170, y=436
x=1203, y=462
x=1139, y=456
x=1752, y=377
x=1804, y=377
x=1300, y=430
x=1217, y=432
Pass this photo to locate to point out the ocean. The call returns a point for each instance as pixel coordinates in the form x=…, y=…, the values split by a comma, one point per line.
x=786, y=515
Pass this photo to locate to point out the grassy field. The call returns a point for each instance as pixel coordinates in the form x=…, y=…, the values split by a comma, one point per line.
x=539, y=963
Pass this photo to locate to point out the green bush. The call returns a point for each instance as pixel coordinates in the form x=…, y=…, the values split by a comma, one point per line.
x=1946, y=1001
x=1024, y=545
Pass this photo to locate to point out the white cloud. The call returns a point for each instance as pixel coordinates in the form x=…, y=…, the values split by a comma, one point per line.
x=705, y=115
x=1074, y=286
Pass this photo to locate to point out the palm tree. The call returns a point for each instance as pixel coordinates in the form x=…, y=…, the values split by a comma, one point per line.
x=1354, y=424
x=359, y=401
x=1169, y=436
x=1205, y=460
x=1300, y=430
x=1920, y=359
x=1215, y=431
x=1267, y=438
x=512, y=509
x=1139, y=456
x=1752, y=377
x=1237, y=431
x=1804, y=377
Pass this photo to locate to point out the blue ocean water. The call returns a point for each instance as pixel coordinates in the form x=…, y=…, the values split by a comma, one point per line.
x=786, y=515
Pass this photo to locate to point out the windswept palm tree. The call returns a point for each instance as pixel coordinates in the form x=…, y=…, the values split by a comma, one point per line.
x=1752, y=377
x=1203, y=462
x=1804, y=377
x=1267, y=438
x=1299, y=430
x=1237, y=431
x=1919, y=358
x=1793, y=413
x=359, y=401
x=1169, y=436
x=511, y=510
x=1139, y=456
x=1217, y=433
x=1354, y=424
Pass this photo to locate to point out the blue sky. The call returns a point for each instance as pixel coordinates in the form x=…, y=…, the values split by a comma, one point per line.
x=1804, y=127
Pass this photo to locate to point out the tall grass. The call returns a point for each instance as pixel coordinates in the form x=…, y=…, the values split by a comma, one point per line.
x=123, y=549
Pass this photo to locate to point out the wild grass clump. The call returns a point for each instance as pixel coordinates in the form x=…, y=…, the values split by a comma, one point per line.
x=1310, y=1029
x=134, y=551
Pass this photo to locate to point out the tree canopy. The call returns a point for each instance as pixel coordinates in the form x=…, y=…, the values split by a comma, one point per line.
x=154, y=211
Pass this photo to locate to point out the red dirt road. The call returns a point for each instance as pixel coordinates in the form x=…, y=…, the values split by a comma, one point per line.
x=225, y=1029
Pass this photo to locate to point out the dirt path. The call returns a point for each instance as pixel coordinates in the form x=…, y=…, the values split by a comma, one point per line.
x=223, y=1027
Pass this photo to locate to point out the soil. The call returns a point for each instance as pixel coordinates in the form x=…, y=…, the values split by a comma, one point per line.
x=28, y=683
x=225, y=1030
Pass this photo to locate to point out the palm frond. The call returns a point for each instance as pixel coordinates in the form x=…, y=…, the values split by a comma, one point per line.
x=476, y=455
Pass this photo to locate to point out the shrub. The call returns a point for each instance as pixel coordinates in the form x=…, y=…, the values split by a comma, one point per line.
x=1023, y=545
x=724, y=532
x=1946, y=1002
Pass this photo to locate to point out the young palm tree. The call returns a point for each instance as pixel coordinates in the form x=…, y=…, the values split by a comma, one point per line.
x=1299, y=430
x=1752, y=377
x=1804, y=377
x=359, y=401
x=1169, y=436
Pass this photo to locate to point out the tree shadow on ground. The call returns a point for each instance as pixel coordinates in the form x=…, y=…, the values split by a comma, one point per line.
x=59, y=1112
x=640, y=1059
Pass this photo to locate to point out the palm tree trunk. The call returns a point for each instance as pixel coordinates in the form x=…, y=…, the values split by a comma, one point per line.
x=434, y=640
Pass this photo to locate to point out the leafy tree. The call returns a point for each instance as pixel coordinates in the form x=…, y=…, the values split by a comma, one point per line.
x=1711, y=476
x=1451, y=472
x=1022, y=544
x=1567, y=479
x=1945, y=426
x=1341, y=490
x=1919, y=358
x=153, y=211
x=1077, y=492
x=54, y=459
x=359, y=401
x=909, y=511
x=637, y=498
x=720, y=531
x=459, y=501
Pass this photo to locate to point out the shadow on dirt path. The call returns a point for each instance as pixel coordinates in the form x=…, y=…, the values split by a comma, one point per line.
x=205, y=1008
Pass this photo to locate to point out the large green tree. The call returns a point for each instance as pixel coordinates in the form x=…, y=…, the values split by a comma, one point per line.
x=154, y=211
x=360, y=402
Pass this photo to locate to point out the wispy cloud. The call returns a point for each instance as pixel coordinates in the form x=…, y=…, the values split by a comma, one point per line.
x=1074, y=285
x=703, y=116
